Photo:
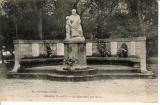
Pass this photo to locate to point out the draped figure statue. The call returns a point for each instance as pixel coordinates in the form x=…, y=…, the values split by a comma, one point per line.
x=68, y=28
x=73, y=26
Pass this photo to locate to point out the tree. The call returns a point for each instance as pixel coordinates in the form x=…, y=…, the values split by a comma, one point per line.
x=40, y=19
x=1, y=49
x=27, y=15
x=1, y=38
x=39, y=5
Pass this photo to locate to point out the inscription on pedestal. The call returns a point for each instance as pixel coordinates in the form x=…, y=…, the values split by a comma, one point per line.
x=54, y=49
x=89, y=49
x=60, y=49
x=35, y=49
x=113, y=48
x=133, y=48
x=24, y=50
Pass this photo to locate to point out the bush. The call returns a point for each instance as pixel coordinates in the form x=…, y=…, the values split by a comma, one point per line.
x=101, y=46
x=122, y=51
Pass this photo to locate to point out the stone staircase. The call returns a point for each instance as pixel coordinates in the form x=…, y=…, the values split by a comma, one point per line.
x=93, y=72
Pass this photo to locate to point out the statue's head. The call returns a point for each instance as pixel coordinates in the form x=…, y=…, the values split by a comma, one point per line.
x=73, y=11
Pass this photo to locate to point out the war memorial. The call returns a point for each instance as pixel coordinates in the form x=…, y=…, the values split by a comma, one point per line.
x=79, y=51
x=78, y=59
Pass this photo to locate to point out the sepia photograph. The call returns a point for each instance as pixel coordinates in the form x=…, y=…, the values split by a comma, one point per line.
x=79, y=51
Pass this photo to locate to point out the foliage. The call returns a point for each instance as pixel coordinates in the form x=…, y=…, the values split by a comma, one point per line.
x=45, y=19
x=70, y=62
x=49, y=50
x=152, y=46
x=101, y=46
x=122, y=51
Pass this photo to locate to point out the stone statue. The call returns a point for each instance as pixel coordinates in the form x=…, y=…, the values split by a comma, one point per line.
x=68, y=28
x=73, y=27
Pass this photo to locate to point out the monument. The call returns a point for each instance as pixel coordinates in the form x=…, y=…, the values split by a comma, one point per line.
x=74, y=31
x=74, y=44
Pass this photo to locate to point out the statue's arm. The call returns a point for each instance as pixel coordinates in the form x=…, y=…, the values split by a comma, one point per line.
x=76, y=22
x=69, y=22
x=79, y=20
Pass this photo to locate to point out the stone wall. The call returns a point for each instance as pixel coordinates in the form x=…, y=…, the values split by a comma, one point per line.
x=33, y=48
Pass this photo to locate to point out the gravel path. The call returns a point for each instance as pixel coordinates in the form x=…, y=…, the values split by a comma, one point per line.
x=136, y=90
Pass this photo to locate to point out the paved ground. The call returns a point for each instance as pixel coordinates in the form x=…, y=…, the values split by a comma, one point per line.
x=123, y=90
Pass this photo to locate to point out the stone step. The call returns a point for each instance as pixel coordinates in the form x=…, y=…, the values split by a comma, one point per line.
x=80, y=72
x=96, y=71
x=130, y=61
x=36, y=71
x=11, y=75
x=99, y=76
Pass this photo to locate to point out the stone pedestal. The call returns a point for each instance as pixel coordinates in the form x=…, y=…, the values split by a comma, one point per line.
x=76, y=50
